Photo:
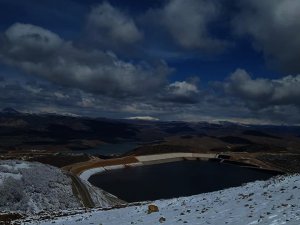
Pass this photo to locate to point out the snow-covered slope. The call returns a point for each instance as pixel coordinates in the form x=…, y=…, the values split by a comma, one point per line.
x=30, y=187
x=100, y=197
x=272, y=202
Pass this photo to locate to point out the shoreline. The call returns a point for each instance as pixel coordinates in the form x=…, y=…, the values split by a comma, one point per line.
x=84, y=170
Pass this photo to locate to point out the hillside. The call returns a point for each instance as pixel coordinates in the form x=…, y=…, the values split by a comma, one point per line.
x=30, y=187
x=275, y=202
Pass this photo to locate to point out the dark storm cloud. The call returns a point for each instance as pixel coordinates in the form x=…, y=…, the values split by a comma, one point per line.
x=43, y=53
x=45, y=97
x=31, y=95
x=265, y=92
x=111, y=27
x=93, y=79
x=187, y=21
x=274, y=26
x=49, y=98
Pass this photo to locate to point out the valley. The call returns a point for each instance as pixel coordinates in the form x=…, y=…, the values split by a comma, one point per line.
x=86, y=148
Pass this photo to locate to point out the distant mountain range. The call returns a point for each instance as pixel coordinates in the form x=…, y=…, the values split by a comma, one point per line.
x=9, y=111
x=19, y=131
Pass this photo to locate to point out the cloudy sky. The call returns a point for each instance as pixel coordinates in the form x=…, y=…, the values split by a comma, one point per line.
x=169, y=59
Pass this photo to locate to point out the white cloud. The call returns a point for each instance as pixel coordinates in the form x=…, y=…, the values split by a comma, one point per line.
x=182, y=88
x=181, y=92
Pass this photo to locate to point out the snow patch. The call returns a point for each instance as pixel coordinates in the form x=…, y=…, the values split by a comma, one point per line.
x=146, y=118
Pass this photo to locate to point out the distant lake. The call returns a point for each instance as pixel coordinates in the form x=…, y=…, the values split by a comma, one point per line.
x=109, y=149
x=169, y=180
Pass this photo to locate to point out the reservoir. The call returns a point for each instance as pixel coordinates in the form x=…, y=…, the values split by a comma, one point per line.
x=175, y=179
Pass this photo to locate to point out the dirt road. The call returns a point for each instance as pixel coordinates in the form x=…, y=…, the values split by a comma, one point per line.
x=83, y=191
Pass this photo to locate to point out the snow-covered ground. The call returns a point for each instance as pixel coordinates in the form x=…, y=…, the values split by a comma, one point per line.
x=30, y=187
x=272, y=202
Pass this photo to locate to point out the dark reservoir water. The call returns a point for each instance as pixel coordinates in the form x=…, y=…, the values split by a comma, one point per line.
x=174, y=179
